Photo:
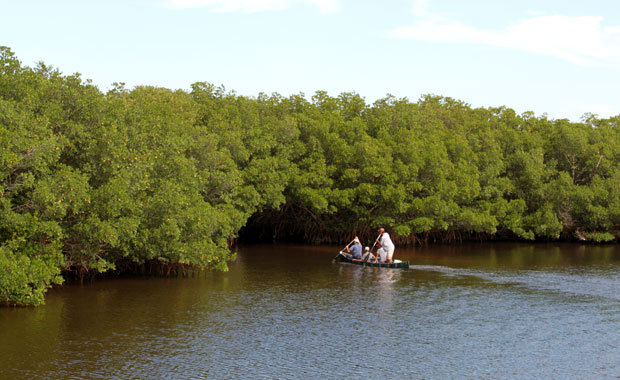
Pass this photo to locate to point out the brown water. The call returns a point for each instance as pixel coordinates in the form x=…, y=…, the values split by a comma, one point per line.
x=287, y=312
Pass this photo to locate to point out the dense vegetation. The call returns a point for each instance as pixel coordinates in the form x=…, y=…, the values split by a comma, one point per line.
x=160, y=179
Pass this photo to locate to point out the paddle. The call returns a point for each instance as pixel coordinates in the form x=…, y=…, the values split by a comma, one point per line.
x=345, y=247
x=373, y=247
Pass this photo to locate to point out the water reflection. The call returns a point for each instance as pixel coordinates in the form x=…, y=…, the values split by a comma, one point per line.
x=288, y=312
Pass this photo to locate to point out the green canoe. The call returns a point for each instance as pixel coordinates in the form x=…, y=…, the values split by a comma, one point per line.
x=396, y=264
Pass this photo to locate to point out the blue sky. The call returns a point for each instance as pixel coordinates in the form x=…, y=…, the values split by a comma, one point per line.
x=561, y=58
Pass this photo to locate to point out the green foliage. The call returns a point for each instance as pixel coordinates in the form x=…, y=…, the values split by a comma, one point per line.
x=91, y=182
x=600, y=237
x=30, y=259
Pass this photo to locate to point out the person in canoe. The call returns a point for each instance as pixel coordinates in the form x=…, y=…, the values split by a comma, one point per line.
x=354, y=249
x=368, y=256
x=386, y=247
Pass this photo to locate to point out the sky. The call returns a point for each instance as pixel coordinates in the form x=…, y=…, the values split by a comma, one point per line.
x=559, y=58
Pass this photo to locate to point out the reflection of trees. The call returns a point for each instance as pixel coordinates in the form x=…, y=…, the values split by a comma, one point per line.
x=512, y=255
x=137, y=320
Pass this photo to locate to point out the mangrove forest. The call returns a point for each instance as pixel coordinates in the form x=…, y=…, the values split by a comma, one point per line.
x=159, y=180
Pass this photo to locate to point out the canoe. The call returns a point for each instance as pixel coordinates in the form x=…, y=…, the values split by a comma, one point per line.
x=395, y=264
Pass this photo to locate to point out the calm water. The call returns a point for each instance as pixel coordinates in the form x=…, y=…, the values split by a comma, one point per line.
x=500, y=311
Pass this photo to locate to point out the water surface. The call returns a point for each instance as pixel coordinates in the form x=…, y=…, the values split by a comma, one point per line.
x=287, y=312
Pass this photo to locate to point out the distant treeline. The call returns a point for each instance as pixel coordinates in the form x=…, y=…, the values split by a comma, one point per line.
x=155, y=178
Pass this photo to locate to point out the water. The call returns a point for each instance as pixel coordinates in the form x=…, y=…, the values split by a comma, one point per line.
x=287, y=312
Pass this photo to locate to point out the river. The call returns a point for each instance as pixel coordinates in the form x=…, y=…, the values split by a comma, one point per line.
x=473, y=311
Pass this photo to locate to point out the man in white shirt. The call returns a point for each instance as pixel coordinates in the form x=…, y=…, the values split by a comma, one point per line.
x=387, y=247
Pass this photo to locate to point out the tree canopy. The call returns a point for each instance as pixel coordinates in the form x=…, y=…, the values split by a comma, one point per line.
x=92, y=182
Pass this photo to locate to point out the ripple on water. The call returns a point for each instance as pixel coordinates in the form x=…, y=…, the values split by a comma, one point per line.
x=328, y=321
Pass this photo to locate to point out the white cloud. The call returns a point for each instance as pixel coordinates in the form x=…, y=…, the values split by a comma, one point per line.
x=327, y=6
x=576, y=39
x=252, y=6
x=420, y=9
